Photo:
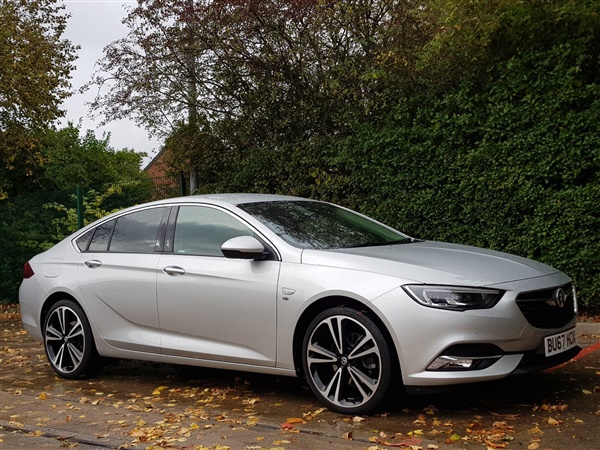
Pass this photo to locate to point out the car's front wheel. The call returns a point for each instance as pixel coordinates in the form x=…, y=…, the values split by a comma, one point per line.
x=346, y=361
x=68, y=341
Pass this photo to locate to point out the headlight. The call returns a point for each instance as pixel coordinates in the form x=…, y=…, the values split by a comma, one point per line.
x=454, y=298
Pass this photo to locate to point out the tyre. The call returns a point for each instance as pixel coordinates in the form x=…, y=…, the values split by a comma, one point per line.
x=69, y=343
x=346, y=361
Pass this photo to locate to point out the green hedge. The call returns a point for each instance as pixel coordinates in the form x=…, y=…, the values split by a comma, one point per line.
x=508, y=161
x=511, y=163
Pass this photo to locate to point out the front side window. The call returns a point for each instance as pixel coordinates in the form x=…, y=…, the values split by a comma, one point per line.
x=316, y=225
x=201, y=231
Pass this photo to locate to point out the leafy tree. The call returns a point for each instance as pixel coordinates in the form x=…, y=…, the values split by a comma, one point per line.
x=146, y=76
x=73, y=160
x=195, y=145
x=265, y=75
x=35, y=63
x=475, y=35
x=33, y=222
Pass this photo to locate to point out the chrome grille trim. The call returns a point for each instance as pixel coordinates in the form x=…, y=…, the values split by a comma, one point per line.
x=549, y=308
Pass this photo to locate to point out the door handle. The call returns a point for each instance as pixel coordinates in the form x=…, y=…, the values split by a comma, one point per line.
x=174, y=271
x=93, y=263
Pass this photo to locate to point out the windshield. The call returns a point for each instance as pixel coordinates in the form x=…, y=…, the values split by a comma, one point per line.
x=316, y=225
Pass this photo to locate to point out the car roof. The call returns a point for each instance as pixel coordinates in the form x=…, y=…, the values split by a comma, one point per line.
x=241, y=198
x=215, y=199
x=222, y=199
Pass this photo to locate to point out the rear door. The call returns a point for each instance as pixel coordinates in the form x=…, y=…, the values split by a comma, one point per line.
x=117, y=278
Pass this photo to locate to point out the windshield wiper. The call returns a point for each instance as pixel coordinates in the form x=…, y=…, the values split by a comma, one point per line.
x=407, y=240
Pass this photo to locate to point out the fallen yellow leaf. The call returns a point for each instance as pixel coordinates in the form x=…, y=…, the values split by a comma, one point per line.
x=454, y=438
x=553, y=422
x=420, y=420
x=159, y=389
x=295, y=420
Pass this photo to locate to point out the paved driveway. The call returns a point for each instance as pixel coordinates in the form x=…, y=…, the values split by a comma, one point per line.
x=152, y=406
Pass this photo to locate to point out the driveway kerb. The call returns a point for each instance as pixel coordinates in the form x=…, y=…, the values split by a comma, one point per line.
x=27, y=436
x=592, y=328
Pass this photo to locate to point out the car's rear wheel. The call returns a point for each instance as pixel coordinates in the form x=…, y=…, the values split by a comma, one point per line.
x=346, y=361
x=69, y=343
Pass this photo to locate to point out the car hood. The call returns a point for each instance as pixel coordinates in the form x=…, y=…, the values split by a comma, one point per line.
x=433, y=263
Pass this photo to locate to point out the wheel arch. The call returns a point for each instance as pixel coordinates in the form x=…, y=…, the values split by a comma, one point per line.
x=339, y=301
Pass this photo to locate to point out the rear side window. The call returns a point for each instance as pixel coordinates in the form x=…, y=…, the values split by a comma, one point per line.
x=136, y=232
x=83, y=240
x=132, y=233
x=101, y=237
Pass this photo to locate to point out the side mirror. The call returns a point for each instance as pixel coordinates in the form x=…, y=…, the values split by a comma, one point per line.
x=243, y=247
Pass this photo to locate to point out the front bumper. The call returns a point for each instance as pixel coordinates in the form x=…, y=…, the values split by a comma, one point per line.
x=421, y=335
x=531, y=362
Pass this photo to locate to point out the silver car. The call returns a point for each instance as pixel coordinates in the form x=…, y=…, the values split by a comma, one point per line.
x=290, y=286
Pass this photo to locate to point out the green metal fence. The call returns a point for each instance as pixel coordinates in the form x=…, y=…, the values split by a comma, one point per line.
x=32, y=223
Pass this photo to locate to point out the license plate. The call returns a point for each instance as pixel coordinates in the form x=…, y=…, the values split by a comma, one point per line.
x=560, y=342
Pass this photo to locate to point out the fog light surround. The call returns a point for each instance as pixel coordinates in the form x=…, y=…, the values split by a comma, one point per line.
x=466, y=357
x=454, y=363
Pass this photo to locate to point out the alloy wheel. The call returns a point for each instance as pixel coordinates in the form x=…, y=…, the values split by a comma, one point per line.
x=343, y=359
x=65, y=340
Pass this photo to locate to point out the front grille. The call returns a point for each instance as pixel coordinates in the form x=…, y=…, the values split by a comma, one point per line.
x=548, y=308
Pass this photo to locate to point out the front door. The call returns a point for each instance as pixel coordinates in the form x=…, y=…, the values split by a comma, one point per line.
x=211, y=307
